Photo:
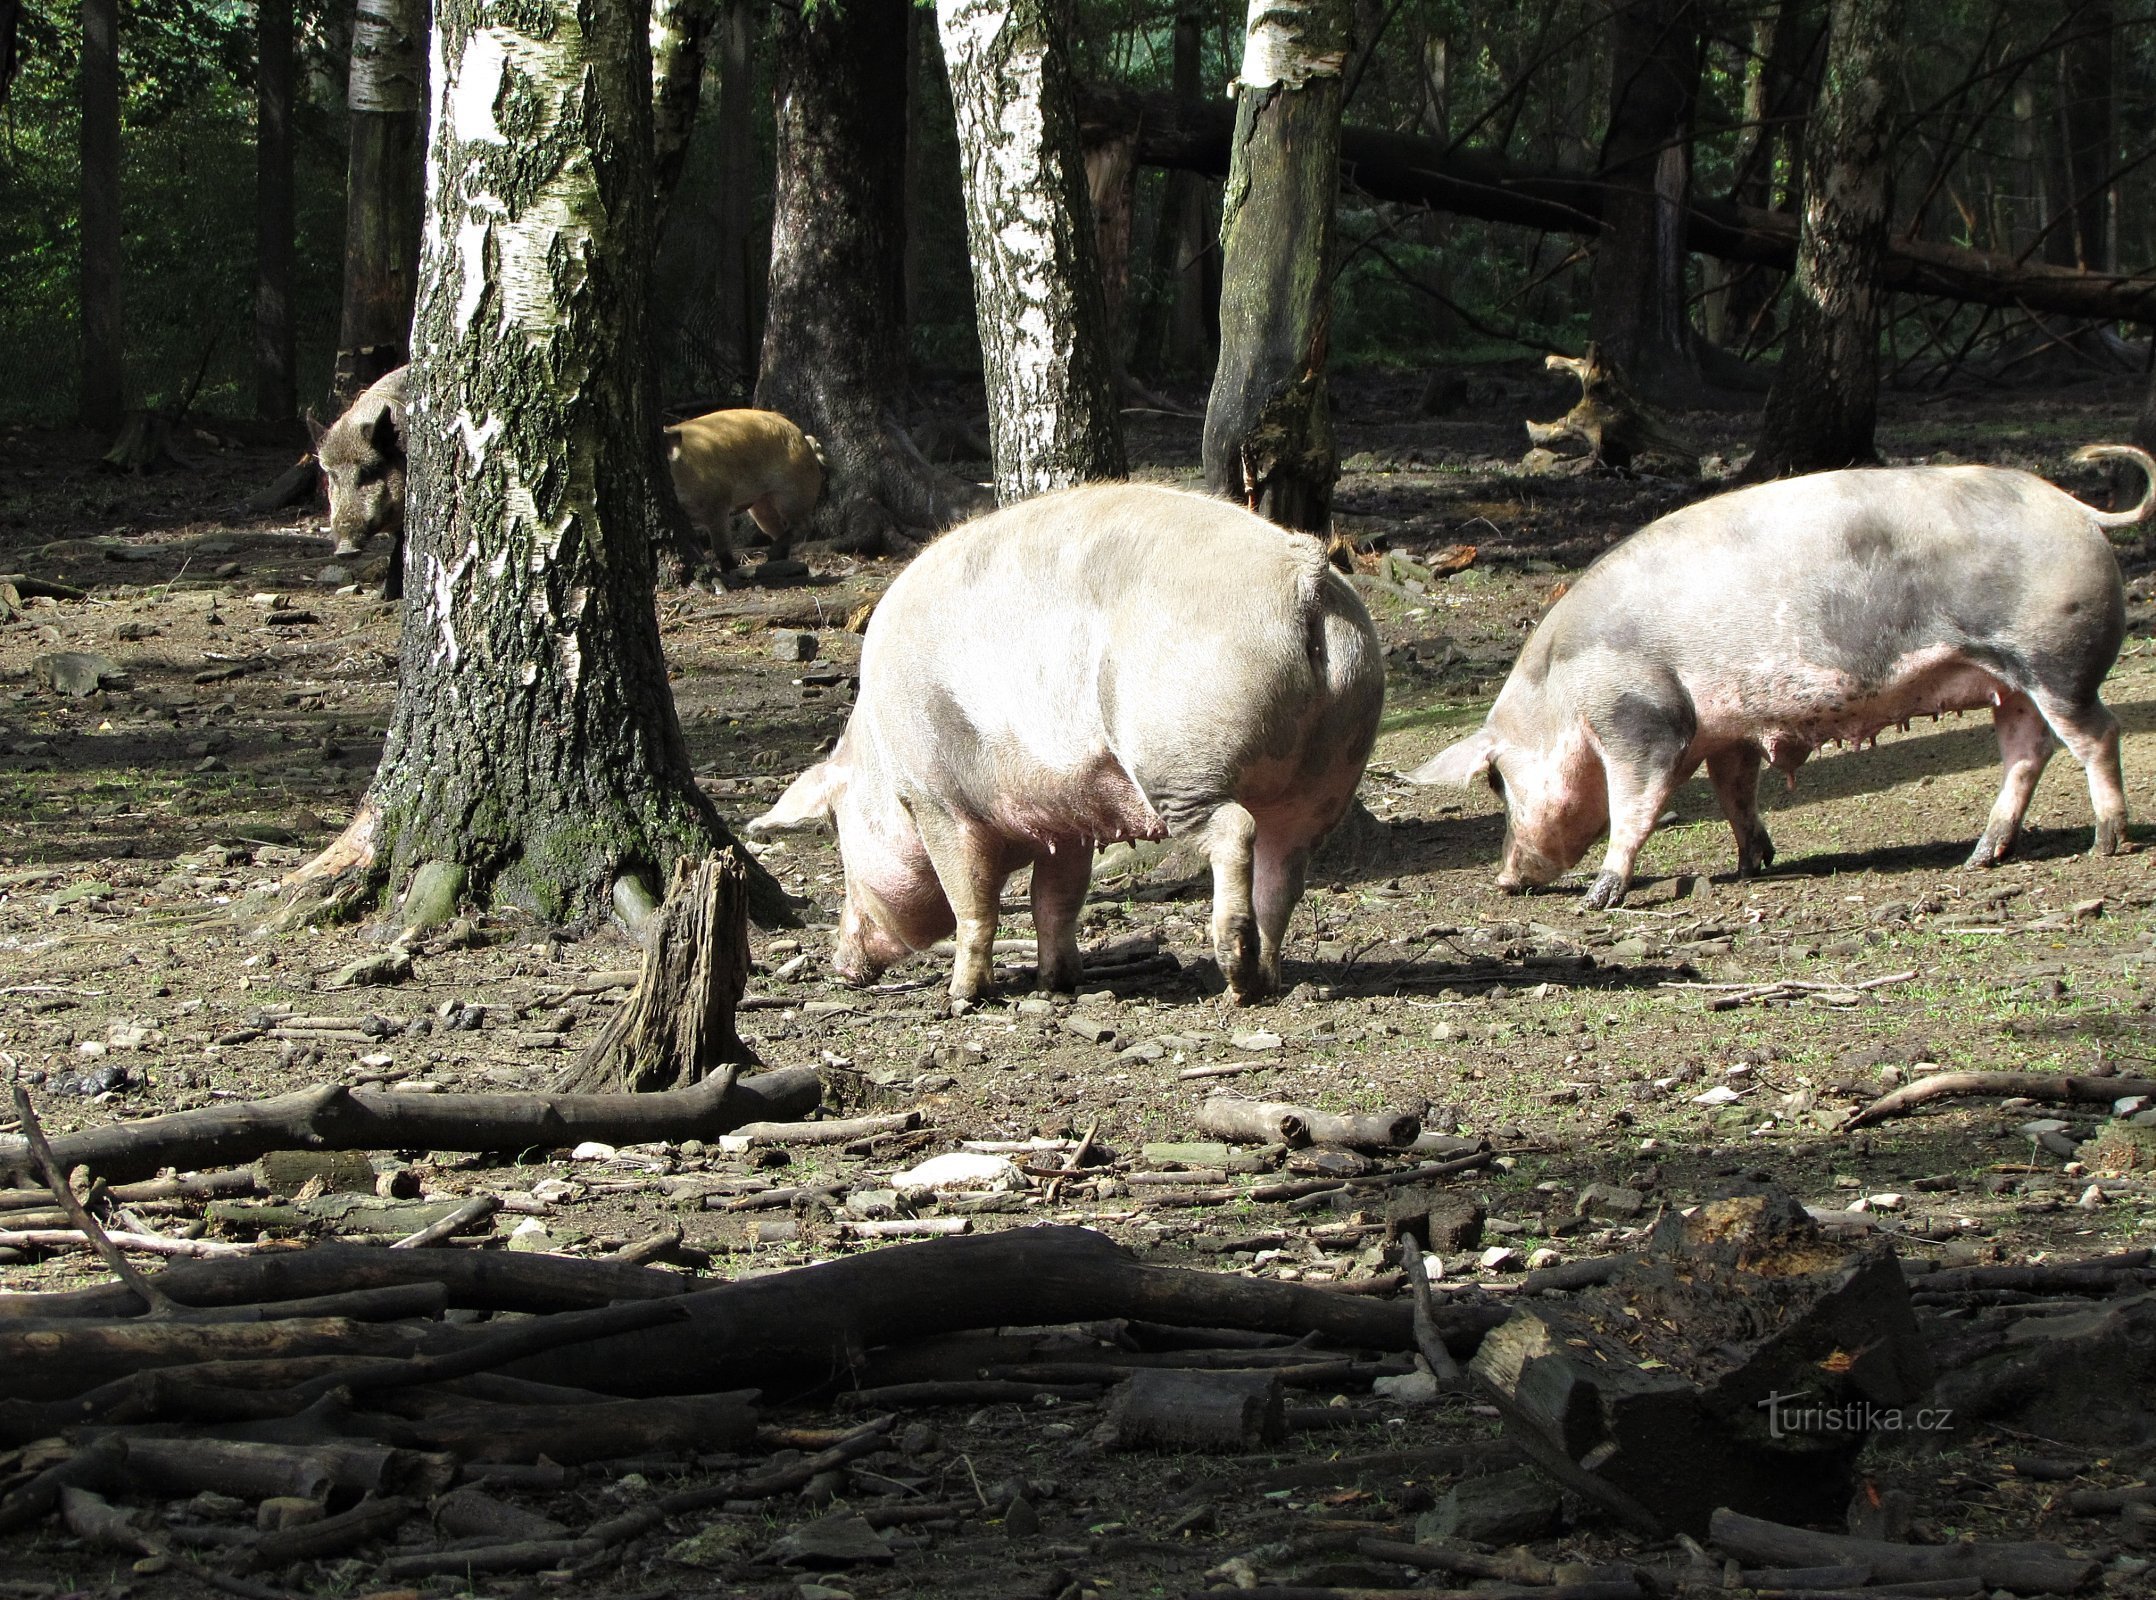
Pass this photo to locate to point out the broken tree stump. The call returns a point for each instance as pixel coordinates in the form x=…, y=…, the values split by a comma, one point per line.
x=678, y=1027
x=1615, y=425
x=1743, y=1363
x=1168, y=1409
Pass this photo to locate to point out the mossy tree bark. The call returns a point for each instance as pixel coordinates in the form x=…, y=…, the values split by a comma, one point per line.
x=833, y=355
x=534, y=740
x=382, y=194
x=1268, y=426
x=1824, y=405
x=103, y=398
x=1052, y=419
x=1637, y=310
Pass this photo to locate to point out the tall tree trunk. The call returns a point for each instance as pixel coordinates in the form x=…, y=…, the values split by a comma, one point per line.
x=733, y=279
x=680, y=40
x=10, y=49
x=2082, y=236
x=833, y=358
x=1821, y=411
x=1111, y=180
x=103, y=398
x=1777, y=87
x=1052, y=419
x=1637, y=313
x=276, y=384
x=382, y=194
x=534, y=742
x=1268, y=425
x=1175, y=328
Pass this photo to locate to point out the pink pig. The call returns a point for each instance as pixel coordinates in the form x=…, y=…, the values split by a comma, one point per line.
x=1106, y=663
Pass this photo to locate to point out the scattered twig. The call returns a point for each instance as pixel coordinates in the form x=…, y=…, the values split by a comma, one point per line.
x=160, y=1303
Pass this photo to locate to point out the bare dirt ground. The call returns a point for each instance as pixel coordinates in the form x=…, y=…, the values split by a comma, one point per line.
x=257, y=681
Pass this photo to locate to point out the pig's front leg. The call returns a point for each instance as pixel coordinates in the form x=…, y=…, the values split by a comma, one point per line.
x=1230, y=844
x=2025, y=745
x=1059, y=885
x=1637, y=796
x=970, y=867
x=1735, y=775
x=1643, y=737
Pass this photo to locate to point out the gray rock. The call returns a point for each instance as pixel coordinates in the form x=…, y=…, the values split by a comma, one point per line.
x=77, y=674
x=1608, y=1200
x=1501, y=1508
x=845, y=1540
x=790, y=645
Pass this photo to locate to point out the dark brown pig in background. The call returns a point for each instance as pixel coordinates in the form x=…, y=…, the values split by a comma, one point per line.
x=1759, y=625
x=1106, y=663
x=362, y=457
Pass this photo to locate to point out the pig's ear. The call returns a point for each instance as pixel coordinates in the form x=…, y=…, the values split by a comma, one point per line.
x=382, y=432
x=808, y=799
x=1459, y=764
x=315, y=430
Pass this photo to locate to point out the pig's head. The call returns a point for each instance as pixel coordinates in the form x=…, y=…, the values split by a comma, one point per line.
x=1556, y=800
x=894, y=904
x=362, y=458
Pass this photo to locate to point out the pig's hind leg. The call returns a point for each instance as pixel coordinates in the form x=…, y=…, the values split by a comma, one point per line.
x=1230, y=842
x=2025, y=745
x=1734, y=772
x=2091, y=736
x=1277, y=876
x=1059, y=885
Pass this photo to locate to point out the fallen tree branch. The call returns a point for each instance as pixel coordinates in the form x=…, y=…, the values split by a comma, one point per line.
x=2058, y=1088
x=2025, y=1568
x=160, y=1304
x=331, y=1116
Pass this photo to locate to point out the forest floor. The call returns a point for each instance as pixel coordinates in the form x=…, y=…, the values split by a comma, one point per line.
x=258, y=677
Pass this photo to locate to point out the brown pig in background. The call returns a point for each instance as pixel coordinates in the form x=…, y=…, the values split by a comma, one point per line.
x=1106, y=663
x=1754, y=627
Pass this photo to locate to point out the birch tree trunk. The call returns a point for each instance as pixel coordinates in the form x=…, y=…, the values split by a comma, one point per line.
x=1637, y=313
x=1052, y=419
x=1268, y=426
x=103, y=398
x=276, y=386
x=533, y=743
x=833, y=358
x=382, y=194
x=1821, y=412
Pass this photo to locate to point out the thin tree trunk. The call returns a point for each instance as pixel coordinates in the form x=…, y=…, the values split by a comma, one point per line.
x=10, y=51
x=2082, y=236
x=680, y=40
x=1052, y=418
x=276, y=384
x=382, y=194
x=1173, y=334
x=1111, y=177
x=103, y=398
x=1777, y=86
x=833, y=357
x=1637, y=313
x=1821, y=411
x=1268, y=425
x=733, y=280
x=534, y=741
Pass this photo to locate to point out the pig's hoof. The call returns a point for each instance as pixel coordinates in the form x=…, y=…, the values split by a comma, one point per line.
x=1606, y=891
x=2110, y=835
x=1989, y=852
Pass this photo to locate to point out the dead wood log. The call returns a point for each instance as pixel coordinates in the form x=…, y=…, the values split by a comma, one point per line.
x=1646, y=1396
x=473, y=1280
x=477, y=1209
x=294, y=486
x=375, y=1517
x=813, y=1324
x=55, y=1176
x=331, y=1116
x=151, y=1244
x=1195, y=136
x=1165, y=1409
x=53, y=1360
x=839, y=1130
x=2085, y=1376
x=1272, y=1122
x=1512, y=1566
x=969, y=1392
x=2024, y=1568
x=33, y=1501
x=2051, y=1087
x=603, y=1430
x=1608, y=1589
x=470, y=1513
x=253, y=1470
x=678, y=1027
x=2099, y=1276
x=1616, y=425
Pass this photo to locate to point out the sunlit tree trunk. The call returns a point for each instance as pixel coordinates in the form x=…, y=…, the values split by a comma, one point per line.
x=382, y=193
x=276, y=387
x=534, y=742
x=1052, y=418
x=680, y=40
x=832, y=356
x=103, y=396
x=1638, y=314
x=1822, y=409
x=1268, y=425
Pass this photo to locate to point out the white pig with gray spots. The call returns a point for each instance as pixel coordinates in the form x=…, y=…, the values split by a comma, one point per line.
x=1757, y=626
x=1106, y=663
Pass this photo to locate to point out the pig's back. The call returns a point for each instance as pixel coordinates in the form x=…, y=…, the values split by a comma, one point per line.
x=1145, y=624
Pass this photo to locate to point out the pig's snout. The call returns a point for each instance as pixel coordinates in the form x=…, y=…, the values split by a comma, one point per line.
x=865, y=948
x=1526, y=867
